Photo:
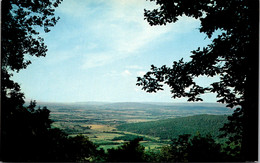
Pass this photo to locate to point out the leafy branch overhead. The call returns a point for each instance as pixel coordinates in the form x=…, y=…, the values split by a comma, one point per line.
x=225, y=57
x=20, y=21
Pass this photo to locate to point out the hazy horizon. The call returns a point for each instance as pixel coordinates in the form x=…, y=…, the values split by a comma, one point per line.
x=133, y=102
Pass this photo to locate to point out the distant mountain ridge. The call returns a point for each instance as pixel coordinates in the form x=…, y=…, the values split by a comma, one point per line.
x=200, y=108
x=131, y=103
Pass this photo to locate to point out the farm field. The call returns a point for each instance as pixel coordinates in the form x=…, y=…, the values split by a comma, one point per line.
x=107, y=124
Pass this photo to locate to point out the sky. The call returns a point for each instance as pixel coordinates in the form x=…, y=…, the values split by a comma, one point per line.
x=98, y=48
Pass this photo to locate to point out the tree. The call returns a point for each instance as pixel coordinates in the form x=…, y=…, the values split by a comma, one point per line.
x=204, y=149
x=234, y=131
x=131, y=151
x=22, y=131
x=26, y=132
x=19, y=38
x=232, y=55
x=19, y=34
x=179, y=149
x=29, y=137
x=195, y=149
x=79, y=148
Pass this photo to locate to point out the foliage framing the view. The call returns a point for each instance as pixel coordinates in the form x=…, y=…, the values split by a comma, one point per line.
x=233, y=56
x=19, y=35
x=226, y=56
x=26, y=133
x=19, y=38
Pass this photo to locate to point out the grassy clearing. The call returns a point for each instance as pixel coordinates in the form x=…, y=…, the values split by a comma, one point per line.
x=104, y=136
x=101, y=128
x=106, y=147
x=137, y=120
x=151, y=145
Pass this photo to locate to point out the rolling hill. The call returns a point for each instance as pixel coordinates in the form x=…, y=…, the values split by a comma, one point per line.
x=171, y=128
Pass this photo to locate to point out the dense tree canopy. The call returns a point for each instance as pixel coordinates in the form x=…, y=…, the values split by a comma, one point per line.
x=129, y=152
x=192, y=149
x=232, y=55
x=20, y=37
x=173, y=127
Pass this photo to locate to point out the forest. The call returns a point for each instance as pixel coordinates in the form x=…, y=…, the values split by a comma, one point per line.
x=31, y=133
x=172, y=128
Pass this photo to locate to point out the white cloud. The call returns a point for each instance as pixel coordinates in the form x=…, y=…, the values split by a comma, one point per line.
x=137, y=67
x=126, y=73
x=122, y=32
x=90, y=46
x=78, y=8
x=97, y=59
x=114, y=29
x=141, y=73
x=112, y=73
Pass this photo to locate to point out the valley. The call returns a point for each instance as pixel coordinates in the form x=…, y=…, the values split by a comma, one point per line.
x=111, y=124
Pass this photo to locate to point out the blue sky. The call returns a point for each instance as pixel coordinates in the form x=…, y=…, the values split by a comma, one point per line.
x=99, y=47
